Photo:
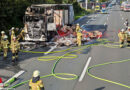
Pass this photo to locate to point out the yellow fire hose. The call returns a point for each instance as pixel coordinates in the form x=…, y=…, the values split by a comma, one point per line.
x=68, y=55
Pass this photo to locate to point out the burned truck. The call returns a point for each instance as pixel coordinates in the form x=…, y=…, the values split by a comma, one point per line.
x=43, y=20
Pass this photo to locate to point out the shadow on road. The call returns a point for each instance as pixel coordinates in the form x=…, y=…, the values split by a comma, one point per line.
x=89, y=28
x=101, y=88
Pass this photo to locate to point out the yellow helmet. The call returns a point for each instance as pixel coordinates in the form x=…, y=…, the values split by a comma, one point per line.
x=77, y=24
x=36, y=73
x=122, y=30
x=5, y=36
x=12, y=28
x=2, y=32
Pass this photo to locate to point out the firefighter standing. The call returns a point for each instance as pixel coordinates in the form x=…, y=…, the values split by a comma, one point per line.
x=128, y=36
x=15, y=46
x=2, y=35
x=36, y=83
x=79, y=35
x=12, y=33
x=126, y=24
x=122, y=37
x=77, y=27
x=4, y=45
x=21, y=35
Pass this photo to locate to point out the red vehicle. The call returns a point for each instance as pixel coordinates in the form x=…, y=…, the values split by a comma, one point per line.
x=1, y=83
x=103, y=5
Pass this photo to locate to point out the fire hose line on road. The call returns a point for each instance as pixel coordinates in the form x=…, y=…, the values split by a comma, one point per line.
x=68, y=55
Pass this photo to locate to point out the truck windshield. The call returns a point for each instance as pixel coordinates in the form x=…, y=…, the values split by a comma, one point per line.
x=127, y=6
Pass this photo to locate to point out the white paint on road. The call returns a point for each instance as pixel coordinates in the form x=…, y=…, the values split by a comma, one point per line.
x=15, y=76
x=122, y=18
x=52, y=48
x=85, y=69
x=87, y=22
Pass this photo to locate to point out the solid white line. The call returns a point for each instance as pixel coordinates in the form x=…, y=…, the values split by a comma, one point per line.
x=87, y=22
x=85, y=69
x=52, y=48
x=15, y=76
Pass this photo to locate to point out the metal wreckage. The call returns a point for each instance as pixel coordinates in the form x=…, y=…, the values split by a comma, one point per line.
x=45, y=24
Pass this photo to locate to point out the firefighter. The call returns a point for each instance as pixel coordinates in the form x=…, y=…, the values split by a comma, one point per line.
x=122, y=37
x=2, y=35
x=79, y=34
x=128, y=36
x=15, y=46
x=126, y=24
x=21, y=35
x=77, y=27
x=12, y=33
x=4, y=45
x=79, y=37
x=36, y=83
x=1, y=40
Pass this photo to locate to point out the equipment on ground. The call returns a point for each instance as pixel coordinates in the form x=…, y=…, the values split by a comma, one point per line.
x=42, y=22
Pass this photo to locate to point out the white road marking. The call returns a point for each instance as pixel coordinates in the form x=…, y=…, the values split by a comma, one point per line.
x=85, y=69
x=122, y=18
x=87, y=22
x=15, y=76
x=52, y=48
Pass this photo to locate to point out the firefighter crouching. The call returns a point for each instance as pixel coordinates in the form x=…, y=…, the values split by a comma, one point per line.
x=128, y=36
x=36, y=83
x=4, y=45
x=15, y=46
x=122, y=37
x=79, y=35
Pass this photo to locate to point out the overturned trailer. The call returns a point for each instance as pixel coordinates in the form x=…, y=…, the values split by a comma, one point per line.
x=43, y=20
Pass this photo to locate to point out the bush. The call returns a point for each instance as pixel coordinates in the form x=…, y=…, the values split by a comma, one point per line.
x=79, y=12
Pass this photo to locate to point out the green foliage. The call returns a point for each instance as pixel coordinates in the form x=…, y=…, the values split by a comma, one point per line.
x=103, y=0
x=12, y=11
x=79, y=12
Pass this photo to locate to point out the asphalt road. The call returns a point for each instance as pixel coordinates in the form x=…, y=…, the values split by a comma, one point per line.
x=115, y=72
x=109, y=24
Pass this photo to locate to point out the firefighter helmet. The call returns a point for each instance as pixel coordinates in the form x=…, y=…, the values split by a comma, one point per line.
x=2, y=32
x=36, y=73
x=122, y=30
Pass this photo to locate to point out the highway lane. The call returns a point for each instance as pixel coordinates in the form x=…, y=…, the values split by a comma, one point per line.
x=115, y=72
